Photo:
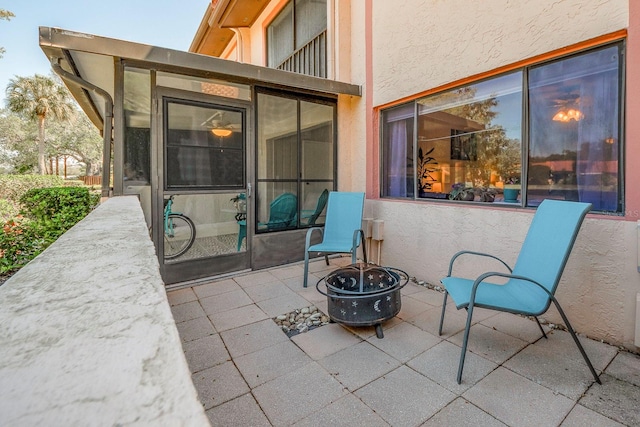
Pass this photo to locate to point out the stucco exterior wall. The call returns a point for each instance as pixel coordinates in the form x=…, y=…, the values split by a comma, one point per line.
x=398, y=50
x=352, y=111
x=425, y=44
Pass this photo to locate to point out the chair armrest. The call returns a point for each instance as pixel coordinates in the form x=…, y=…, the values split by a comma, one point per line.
x=456, y=255
x=484, y=276
x=307, y=240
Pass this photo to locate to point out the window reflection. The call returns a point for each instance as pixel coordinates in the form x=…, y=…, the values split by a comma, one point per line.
x=197, y=157
x=470, y=139
x=574, y=130
x=468, y=143
x=295, y=161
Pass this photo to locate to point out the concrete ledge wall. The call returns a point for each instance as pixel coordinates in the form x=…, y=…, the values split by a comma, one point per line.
x=86, y=333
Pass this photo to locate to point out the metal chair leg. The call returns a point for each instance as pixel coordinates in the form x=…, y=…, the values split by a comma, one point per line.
x=465, y=340
x=444, y=306
x=575, y=338
x=306, y=267
x=540, y=326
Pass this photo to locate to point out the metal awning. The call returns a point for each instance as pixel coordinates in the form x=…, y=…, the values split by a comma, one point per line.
x=92, y=57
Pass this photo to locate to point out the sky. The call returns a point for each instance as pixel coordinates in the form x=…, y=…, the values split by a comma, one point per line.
x=163, y=23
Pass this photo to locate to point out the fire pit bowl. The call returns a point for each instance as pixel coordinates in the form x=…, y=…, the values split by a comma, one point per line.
x=363, y=294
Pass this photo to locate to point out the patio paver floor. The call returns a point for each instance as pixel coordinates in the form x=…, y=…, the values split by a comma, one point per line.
x=247, y=372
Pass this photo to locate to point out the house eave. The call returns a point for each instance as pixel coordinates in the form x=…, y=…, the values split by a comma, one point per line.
x=56, y=38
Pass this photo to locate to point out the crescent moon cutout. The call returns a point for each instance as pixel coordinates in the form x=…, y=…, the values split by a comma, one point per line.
x=375, y=306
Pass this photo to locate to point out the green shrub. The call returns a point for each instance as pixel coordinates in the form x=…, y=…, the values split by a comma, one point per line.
x=57, y=209
x=19, y=244
x=48, y=213
x=12, y=187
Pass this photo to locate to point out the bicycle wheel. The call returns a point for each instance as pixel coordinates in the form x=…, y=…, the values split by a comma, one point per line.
x=179, y=235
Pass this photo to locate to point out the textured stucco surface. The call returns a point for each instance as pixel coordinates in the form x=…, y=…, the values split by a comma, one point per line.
x=419, y=45
x=86, y=333
x=454, y=39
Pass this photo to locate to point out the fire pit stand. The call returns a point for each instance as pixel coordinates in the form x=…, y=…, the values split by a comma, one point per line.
x=363, y=294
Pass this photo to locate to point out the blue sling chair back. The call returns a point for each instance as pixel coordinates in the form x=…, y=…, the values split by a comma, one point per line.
x=342, y=230
x=530, y=287
x=282, y=212
x=322, y=202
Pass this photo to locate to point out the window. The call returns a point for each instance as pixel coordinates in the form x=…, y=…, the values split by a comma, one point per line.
x=550, y=130
x=297, y=38
x=575, y=155
x=137, y=125
x=295, y=160
x=198, y=157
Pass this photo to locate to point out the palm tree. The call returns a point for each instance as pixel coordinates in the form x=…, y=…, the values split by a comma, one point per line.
x=5, y=14
x=39, y=97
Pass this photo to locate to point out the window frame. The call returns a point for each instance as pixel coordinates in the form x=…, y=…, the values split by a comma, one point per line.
x=166, y=146
x=299, y=181
x=300, y=65
x=614, y=40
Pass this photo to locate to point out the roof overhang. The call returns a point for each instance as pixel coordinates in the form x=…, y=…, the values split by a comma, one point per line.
x=92, y=59
x=214, y=32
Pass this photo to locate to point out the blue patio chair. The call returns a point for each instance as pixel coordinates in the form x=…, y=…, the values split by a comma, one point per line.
x=530, y=287
x=322, y=202
x=342, y=230
x=282, y=214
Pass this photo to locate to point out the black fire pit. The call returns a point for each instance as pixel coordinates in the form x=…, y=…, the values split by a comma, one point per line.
x=363, y=294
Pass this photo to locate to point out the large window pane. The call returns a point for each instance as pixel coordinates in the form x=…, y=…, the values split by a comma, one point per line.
x=295, y=160
x=574, y=130
x=297, y=39
x=316, y=121
x=280, y=37
x=397, y=137
x=469, y=140
x=137, y=137
x=204, y=146
x=215, y=226
x=277, y=137
x=311, y=20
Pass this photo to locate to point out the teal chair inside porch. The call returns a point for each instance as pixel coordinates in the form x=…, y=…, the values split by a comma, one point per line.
x=342, y=230
x=282, y=214
x=530, y=287
x=322, y=202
